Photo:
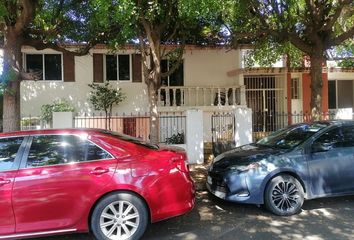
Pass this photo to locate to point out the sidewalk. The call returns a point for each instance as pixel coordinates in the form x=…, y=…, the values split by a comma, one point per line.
x=198, y=173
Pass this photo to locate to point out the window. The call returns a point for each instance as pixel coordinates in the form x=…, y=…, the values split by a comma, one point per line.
x=340, y=94
x=329, y=140
x=62, y=149
x=176, y=78
x=295, y=88
x=49, y=65
x=332, y=95
x=8, y=150
x=348, y=136
x=290, y=137
x=118, y=67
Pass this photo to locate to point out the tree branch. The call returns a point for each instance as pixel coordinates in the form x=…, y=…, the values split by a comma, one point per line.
x=342, y=37
x=333, y=18
x=12, y=12
x=40, y=45
x=42, y=32
x=299, y=43
x=176, y=64
x=57, y=13
x=167, y=20
x=144, y=56
x=28, y=10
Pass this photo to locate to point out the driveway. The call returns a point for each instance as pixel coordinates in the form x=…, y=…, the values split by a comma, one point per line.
x=330, y=218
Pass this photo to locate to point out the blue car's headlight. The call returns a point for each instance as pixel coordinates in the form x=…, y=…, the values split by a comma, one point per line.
x=244, y=168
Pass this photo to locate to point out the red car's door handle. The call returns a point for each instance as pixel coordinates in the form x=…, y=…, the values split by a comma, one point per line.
x=99, y=171
x=4, y=181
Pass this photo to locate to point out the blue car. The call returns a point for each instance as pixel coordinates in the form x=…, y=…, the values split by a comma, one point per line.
x=302, y=161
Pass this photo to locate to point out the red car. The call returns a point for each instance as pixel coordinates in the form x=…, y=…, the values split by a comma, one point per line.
x=63, y=181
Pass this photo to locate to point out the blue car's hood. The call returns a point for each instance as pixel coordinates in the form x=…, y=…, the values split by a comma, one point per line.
x=243, y=156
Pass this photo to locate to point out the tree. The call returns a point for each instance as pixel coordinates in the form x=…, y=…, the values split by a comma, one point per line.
x=312, y=27
x=103, y=97
x=44, y=24
x=161, y=29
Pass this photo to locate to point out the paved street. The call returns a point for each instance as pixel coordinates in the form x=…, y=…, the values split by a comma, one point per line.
x=330, y=218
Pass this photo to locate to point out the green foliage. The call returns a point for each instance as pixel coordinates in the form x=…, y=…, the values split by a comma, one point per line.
x=346, y=52
x=266, y=53
x=346, y=63
x=103, y=97
x=176, y=139
x=59, y=105
x=292, y=27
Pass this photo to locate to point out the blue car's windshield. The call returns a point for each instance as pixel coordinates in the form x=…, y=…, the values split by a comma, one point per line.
x=292, y=136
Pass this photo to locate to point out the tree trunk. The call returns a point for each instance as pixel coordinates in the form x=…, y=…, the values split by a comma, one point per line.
x=11, y=79
x=106, y=119
x=316, y=86
x=154, y=120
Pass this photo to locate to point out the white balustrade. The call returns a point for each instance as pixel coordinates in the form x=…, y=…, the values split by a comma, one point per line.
x=202, y=96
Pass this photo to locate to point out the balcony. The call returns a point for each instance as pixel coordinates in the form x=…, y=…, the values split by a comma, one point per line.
x=208, y=97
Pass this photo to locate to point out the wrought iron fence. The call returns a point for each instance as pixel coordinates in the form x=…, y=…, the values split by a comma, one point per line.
x=264, y=124
x=223, y=132
x=31, y=123
x=172, y=126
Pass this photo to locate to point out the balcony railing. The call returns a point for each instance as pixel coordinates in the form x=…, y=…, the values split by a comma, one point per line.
x=201, y=96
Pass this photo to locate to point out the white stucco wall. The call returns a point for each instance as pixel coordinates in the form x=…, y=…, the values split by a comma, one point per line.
x=36, y=93
x=209, y=67
x=340, y=75
x=202, y=67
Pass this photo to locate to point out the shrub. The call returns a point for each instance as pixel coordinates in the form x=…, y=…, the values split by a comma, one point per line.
x=176, y=139
x=59, y=105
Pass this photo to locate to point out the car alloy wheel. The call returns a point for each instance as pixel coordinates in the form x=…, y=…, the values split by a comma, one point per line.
x=284, y=195
x=119, y=220
x=119, y=216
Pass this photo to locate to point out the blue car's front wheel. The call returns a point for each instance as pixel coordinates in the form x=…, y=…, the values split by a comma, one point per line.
x=284, y=195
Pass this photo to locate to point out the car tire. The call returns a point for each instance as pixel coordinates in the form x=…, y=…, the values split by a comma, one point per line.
x=121, y=216
x=284, y=195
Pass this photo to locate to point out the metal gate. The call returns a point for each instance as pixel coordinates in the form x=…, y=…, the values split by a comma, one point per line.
x=265, y=95
x=223, y=132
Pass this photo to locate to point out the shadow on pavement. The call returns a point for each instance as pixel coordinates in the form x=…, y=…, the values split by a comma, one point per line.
x=212, y=218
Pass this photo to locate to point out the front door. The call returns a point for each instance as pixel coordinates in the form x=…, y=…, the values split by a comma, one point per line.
x=9, y=161
x=265, y=95
x=58, y=183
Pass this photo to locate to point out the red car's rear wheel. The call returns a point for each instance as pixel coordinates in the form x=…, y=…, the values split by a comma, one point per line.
x=122, y=216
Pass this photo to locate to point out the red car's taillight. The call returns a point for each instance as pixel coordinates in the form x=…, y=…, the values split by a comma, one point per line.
x=180, y=163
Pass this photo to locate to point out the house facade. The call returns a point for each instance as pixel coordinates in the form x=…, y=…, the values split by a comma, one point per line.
x=201, y=83
x=210, y=79
x=68, y=76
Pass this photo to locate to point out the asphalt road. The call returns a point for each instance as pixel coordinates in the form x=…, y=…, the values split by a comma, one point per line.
x=330, y=218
